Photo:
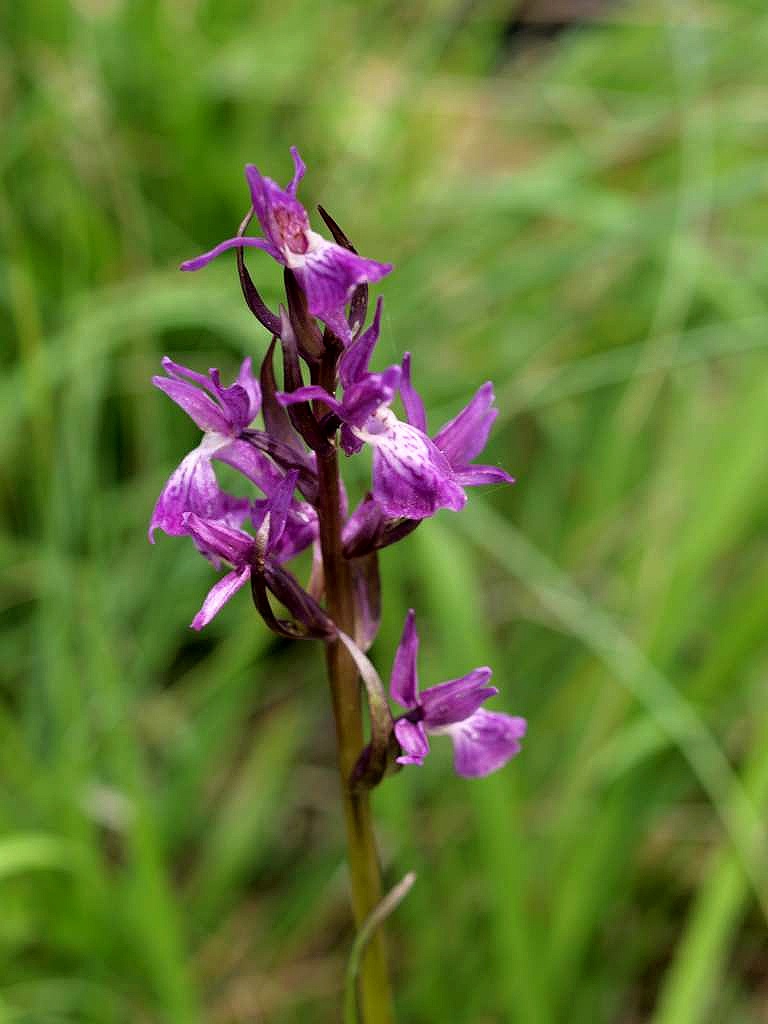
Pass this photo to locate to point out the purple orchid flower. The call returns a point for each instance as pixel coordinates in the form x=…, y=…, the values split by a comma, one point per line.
x=483, y=741
x=284, y=528
x=463, y=438
x=221, y=413
x=327, y=273
x=372, y=524
x=412, y=478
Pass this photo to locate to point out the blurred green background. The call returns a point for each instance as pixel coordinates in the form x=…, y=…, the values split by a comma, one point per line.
x=579, y=215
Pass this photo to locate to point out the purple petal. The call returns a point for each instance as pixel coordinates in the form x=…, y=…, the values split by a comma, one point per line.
x=240, y=401
x=279, y=504
x=465, y=436
x=485, y=742
x=197, y=405
x=354, y=362
x=240, y=242
x=404, y=681
x=215, y=536
x=350, y=442
x=252, y=463
x=192, y=487
x=328, y=274
x=301, y=529
x=372, y=392
x=246, y=380
x=475, y=476
x=412, y=401
x=337, y=323
x=311, y=392
x=298, y=173
x=411, y=477
x=259, y=187
x=413, y=741
x=457, y=699
x=235, y=402
x=282, y=217
x=230, y=511
x=181, y=372
x=219, y=594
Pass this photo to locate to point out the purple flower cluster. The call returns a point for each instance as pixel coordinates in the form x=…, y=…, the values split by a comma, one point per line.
x=414, y=473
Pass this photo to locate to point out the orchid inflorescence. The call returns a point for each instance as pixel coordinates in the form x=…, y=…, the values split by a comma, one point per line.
x=414, y=475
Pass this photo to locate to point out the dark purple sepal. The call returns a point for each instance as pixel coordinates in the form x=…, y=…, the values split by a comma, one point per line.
x=283, y=627
x=368, y=529
x=253, y=300
x=301, y=414
x=276, y=420
x=358, y=306
x=304, y=609
x=397, y=529
x=366, y=584
x=309, y=339
x=362, y=529
x=286, y=458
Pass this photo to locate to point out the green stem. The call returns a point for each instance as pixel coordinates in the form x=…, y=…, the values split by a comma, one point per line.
x=364, y=935
x=365, y=877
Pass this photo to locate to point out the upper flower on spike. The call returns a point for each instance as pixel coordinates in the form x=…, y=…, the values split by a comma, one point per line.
x=221, y=413
x=284, y=528
x=482, y=740
x=327, y=273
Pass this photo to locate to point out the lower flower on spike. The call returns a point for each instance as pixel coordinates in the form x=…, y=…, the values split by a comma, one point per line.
x=283, y=529
x=483, y=741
